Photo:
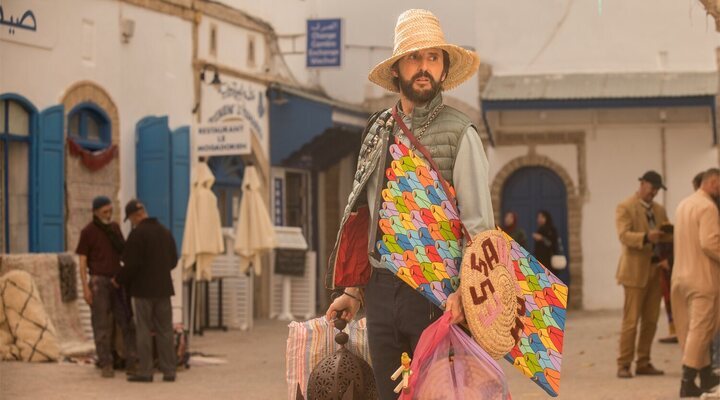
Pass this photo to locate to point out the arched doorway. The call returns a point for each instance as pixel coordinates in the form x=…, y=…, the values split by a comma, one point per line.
x=531, y=189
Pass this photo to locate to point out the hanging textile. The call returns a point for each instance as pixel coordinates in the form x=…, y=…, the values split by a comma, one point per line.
x=92, y=160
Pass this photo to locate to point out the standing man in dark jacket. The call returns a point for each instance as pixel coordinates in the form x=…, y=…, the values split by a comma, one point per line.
x=100, y=246
x=150, y=254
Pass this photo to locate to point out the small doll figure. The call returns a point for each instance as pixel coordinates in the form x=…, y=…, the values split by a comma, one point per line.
x=403, y=370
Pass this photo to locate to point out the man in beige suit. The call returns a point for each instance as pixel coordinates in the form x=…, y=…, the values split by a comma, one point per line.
x=638, y=219
x=695, y=282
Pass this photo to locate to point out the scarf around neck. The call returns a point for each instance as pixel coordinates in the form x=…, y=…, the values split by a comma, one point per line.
x=115, y=238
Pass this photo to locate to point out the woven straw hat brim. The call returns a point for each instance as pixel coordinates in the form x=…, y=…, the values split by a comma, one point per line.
x=463, y=64
x=420, y=30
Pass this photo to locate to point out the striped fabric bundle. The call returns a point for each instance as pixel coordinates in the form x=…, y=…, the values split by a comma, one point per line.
x=311, y=341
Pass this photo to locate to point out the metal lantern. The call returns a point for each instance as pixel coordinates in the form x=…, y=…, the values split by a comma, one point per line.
x=342, y=375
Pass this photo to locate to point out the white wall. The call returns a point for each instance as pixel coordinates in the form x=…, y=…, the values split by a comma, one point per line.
x=564, y=155
x=689, y=152
x=367, y=23
x=151, y=75
x=559, y=36
x=232, y=49
x=232, y=45
x=616, y=157
x=617, y=154
x=514, y=36
x=80, y=40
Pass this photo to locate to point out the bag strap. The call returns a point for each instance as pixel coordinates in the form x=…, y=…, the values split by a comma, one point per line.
x=416, y=143
x=561, y=249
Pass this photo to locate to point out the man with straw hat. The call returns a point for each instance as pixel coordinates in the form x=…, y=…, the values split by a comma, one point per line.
x=443, y=150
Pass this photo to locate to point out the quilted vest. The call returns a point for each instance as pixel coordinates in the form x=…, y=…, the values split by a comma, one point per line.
x=443, y=136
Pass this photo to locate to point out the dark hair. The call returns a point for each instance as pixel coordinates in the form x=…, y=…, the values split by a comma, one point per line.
x=709, y=173
x=548, y=217
x=446, y=68
x=697, y=180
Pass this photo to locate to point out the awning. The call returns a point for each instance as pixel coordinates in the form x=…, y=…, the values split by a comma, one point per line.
x=326, y=149
x=297, y=118
x=606, y=90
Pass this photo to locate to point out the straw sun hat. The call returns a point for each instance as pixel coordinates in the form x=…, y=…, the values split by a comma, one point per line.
x=420, y=30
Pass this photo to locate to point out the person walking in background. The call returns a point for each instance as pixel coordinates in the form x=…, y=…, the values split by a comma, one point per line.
x=695, y=283
x=100, y=247
x=150, y=254
x=510, y=226
x=638, y=219
x=546, y=240
x=697, y=180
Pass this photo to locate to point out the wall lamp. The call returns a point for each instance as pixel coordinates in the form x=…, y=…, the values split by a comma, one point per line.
x=216, y=76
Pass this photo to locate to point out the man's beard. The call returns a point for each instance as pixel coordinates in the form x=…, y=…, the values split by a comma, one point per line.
x=419, y=96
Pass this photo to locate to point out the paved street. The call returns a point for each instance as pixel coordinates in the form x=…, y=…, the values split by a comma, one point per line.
x=256, y=365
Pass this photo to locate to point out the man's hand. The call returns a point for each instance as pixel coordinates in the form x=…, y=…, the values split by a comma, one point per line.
x=87, y=294
x=664, y=264
x=455, y=306
x=654, y=235
x=537, y=236
x=346, y=304
x=114, y=283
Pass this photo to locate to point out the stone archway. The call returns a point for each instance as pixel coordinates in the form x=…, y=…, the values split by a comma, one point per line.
x=82, y=185
x=574, y=205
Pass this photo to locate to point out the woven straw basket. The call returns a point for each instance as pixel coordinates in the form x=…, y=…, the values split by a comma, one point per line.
x=492, y=320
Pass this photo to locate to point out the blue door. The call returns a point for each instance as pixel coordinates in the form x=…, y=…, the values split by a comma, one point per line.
x=153, y=167
x=180, y=183
x=48, y=191
x=163, y=172
x=531, y=189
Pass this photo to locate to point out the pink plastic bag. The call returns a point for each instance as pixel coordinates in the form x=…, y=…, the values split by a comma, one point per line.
x=449, y=365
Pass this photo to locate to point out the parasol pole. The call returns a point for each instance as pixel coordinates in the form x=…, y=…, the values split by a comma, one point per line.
x=192, y=306
x=286, y=315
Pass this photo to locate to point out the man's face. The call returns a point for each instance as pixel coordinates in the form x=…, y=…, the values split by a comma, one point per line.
x=509, y=219
x=420, y=75
x=713, y=186
x=648, y=191
x=104, y=213
x=137, y=217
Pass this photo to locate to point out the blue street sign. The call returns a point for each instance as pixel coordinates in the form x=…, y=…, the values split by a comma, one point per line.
x=324, y=44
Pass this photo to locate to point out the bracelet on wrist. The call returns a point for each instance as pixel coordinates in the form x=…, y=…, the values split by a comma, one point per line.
x=352, y=296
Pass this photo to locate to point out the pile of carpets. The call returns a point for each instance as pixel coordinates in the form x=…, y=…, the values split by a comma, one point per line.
x=26, y=332
x=56, y=280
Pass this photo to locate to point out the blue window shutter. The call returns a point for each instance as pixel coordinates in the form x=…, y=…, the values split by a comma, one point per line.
x=180, y=172
x=152, y=159
x=48, y=183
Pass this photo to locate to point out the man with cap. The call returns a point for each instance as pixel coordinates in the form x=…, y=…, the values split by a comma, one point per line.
x=695, y=282
x=100, y=247
x=411, y=155
x=638, y=220
x=150, y=254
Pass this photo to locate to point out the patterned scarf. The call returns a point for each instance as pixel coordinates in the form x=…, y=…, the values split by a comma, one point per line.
x=115, y=238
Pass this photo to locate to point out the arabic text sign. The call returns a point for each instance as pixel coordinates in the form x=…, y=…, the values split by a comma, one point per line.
x=226, y=139
x=324, y=44
x=27, y=22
